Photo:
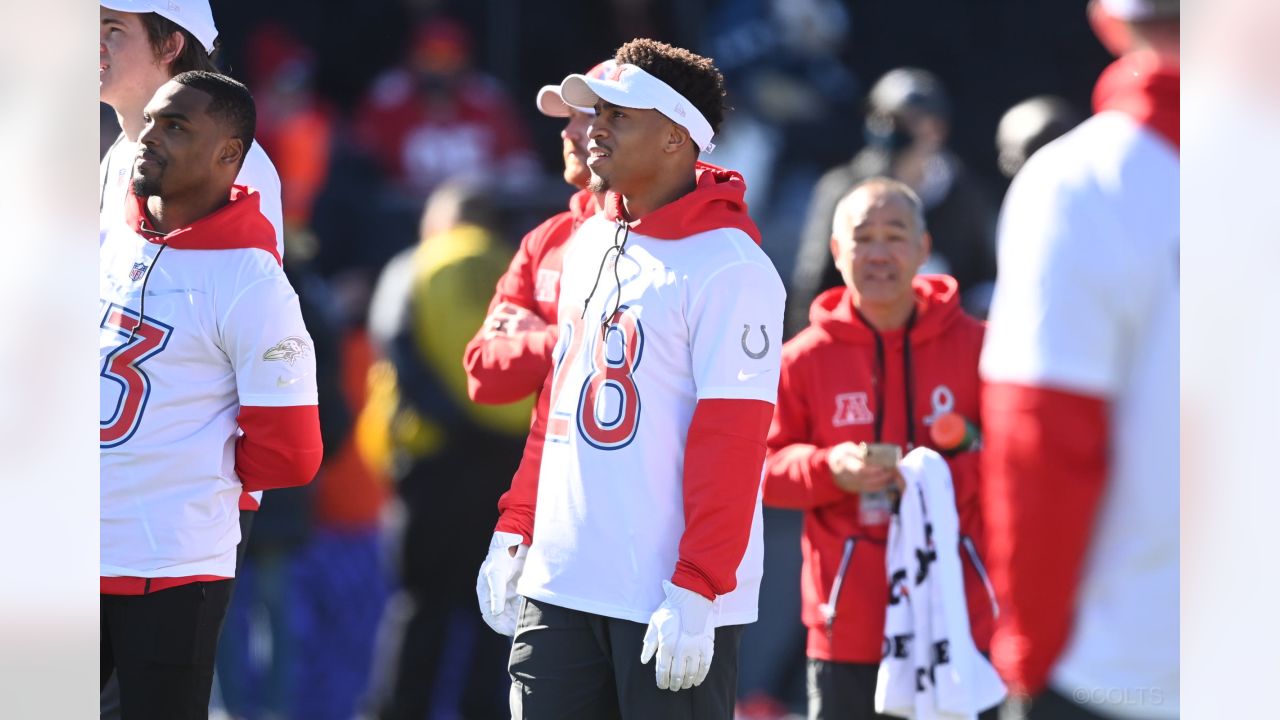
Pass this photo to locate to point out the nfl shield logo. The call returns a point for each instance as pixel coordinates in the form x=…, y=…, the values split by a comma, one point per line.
x=139, y=269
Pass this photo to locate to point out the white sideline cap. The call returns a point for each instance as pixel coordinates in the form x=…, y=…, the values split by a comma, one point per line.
x=194, y=16
x=552, y=105
x=631, y=87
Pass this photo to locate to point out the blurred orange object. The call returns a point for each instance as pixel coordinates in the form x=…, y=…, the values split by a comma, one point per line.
x=351, y=494
x=953, y=433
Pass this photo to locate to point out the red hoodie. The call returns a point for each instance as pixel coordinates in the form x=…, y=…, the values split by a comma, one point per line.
x=827, y=395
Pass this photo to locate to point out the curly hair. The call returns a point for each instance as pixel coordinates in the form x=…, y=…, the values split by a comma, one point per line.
x=693, y=76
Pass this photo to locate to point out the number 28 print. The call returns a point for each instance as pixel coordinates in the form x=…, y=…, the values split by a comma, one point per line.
x=607, y=408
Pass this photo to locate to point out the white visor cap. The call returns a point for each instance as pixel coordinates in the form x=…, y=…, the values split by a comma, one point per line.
x=629, y=86
x=551, y=104
x=194, y=16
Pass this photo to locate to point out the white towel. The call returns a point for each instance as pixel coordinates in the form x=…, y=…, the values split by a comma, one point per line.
x=931, y=667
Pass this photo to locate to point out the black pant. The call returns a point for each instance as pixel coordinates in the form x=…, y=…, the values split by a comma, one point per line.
x=570, y=664
x=161, y=647
x=109, y=697
x=847, y=691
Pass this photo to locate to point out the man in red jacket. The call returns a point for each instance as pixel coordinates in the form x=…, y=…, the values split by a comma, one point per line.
x=510, y=356
x=881, y=360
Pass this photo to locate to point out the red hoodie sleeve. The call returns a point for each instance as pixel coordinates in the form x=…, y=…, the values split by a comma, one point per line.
x=722, y=462
x=1044, y=468
x=505, y=369
x=517, y=505
x=796, y=474
x=280, y=446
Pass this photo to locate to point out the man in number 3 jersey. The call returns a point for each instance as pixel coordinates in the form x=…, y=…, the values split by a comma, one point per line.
x=207, y=388
x=646, y=560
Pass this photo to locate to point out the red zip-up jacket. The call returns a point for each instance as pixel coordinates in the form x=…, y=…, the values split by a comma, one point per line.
x=833, y=384
x=505, y=369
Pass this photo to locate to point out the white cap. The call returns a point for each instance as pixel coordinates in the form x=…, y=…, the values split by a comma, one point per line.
x=552, y=105
x=1139, y=9
x=631, y=87
x=194, y=16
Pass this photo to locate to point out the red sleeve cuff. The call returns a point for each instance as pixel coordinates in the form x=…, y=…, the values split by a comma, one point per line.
x=280, y=446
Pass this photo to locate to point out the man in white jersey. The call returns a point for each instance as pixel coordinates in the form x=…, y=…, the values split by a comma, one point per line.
x=666, y=371
x=142, y=44
x=1080, y=491
x=207, y=388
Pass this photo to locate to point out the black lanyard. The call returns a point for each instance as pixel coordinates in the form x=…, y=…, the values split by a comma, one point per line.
x=907, y=383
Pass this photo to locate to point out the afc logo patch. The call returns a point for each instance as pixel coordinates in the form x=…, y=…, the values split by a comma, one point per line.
x=852, y=409
x=547, y=286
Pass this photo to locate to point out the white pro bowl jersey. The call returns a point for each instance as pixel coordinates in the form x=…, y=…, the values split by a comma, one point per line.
x=219, y=328
x=698, y=317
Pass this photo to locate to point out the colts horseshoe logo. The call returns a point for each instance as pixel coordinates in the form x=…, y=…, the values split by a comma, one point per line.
x=746, y=330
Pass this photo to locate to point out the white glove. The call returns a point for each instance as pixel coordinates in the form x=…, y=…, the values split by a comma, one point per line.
x=496, y=584
x=681, y=633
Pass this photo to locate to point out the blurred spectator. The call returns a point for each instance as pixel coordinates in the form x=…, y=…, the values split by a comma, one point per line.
x=792, y=96
x=907, y=123
x=341, y=589
x=1029, y=126
x=1081, y=403
x=293, y=122
x=435, y=117
x=259, y=664
x=884, y=357
x=450, y=458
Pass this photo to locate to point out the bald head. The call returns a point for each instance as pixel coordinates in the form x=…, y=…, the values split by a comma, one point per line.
x=876, y=191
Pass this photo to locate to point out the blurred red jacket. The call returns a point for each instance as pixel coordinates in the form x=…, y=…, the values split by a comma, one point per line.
x=837, y=376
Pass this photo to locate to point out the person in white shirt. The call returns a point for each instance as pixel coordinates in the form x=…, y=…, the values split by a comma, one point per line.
x=207, y=388
x=1080, y=406
x=645, y=561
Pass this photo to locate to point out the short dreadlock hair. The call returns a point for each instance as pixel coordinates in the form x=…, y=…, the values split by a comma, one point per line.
x=693, y=76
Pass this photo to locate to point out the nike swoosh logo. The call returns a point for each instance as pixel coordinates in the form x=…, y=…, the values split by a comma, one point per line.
x=743, y=377
x=281, y=382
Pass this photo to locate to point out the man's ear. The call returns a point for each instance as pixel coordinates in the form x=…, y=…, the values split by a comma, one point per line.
x=677, y=139
x=171, y=48
x=232, y=152
x=926, y=240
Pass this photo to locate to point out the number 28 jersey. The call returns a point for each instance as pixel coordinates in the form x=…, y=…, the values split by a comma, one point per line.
x=672, y=321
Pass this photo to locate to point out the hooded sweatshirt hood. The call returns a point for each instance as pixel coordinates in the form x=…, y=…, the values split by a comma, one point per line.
x=1143, y=88
x=238, y=224
x=717, y=201
x=937, y=307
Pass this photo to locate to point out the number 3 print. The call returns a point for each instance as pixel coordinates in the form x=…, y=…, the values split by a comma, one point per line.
x=123, y=366
x=608, y=406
